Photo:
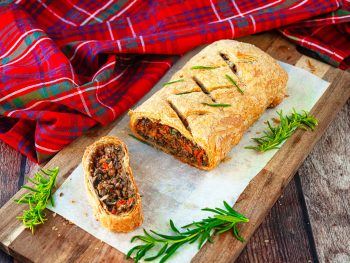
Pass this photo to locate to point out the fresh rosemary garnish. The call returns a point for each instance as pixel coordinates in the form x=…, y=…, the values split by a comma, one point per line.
x=217, y=104
x=203, y=67
x=234, y=83
x=138, y=139
x=174, y=81
x=287, y=125
x=166, y=245
x=40, y=194
x=186, y=92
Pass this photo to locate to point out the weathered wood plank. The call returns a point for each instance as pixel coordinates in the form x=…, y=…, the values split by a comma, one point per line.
x=14, y=167
x=282, y=236
x=10, y=161
x=10, y=172
x=325, y=177
x=71, y=244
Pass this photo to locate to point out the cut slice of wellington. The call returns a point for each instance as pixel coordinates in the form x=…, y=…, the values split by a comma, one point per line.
x=207, y=105
x=110, y=185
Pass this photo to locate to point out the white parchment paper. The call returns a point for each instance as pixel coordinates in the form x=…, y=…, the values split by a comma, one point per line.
x=173, y=190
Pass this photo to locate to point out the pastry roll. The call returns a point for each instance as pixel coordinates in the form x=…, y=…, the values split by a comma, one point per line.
x=203, y=111
x=110, y=185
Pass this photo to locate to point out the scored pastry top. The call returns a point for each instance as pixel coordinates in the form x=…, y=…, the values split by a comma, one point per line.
x=218, y=94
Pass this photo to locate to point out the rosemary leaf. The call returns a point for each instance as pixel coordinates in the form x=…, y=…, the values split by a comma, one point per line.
x=160, y=252
x=274, y=136
x=203, y=67
x=174, y=81
x=173, y=227
x=234, y=83
x=164, y=246
x=216, y=104
x=38, y=197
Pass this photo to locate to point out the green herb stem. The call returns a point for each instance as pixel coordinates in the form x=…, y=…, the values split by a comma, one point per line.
x=174, y=81
x=200, y=231
x=203, y=67
x=38, y=197
x=274, y=136
x=234, y=83
x=217, y=104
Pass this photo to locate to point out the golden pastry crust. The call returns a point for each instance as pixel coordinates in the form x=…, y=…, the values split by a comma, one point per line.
x=216, y=129
x=126, y=221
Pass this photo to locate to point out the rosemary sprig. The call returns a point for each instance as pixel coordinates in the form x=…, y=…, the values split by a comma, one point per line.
x=186, y=92
x=138, y=139
x=166, y=245
x=287, y=125
x=174, y=81
x=234, y=83
x=203, y=67
x=38, y=197
x=217, y=104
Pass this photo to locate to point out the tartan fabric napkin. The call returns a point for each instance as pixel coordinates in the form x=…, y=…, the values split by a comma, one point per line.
x=68, y=65
x=327, y=36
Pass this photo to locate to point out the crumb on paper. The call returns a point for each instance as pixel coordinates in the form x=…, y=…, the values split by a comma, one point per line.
x=258, y=132
x=311, y=66
x=189, y=205
x=61, y=194
x=276, y=121
x=227, y=158
x=86, y=214
x=286, y=96
x=72, y=201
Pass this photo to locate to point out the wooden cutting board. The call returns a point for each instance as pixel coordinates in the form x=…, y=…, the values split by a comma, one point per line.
x=59, y=241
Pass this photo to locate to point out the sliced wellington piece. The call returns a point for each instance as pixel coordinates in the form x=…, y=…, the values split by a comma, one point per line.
x=110, y=185
x=207, y=105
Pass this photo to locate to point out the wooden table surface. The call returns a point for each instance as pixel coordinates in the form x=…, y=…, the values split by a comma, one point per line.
x=309, y=223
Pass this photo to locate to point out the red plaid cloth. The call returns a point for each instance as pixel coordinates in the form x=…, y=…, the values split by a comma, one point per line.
x=328, y=36
x=67, y=65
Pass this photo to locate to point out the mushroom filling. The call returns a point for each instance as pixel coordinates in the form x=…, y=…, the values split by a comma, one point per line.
x=171, y=139
x=111, y=180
